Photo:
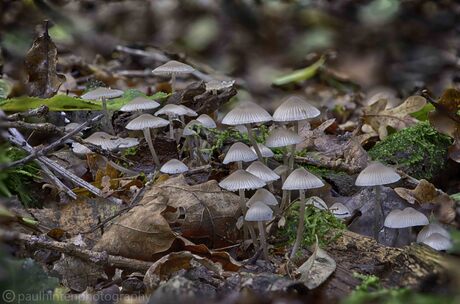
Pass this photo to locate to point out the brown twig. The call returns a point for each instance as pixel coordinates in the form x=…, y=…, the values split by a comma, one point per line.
x=38, y=127
x=37, y=112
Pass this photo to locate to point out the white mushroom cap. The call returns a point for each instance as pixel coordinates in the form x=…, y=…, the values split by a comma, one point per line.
x=264, y=150
x=259, y=212
x=295, y=108
x=103, y=140
x=246, y=113
x=377, y=174
x=263, y=172
x=207, y=121
x=281, y=169
x=172, y=110
x=215, y=85
x=282, y=137
x=188, y=129
x=146, y=121
x=431, y=229
x=127, y=142
x=264, y=196
x=173, y=67
x=438, y=242
x=138, y=104
x=239, y=152
x=100, y=93
x=340, y=211
x=174, y=166
x=189, y=112
x=317, y=202
x=409, y=217
x=241, y=179
x=80, y=149
x=302, y=179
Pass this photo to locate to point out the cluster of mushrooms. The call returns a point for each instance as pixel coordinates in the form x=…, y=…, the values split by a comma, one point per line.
x=290, y=117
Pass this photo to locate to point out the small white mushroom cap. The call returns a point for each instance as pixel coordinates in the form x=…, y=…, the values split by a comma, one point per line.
x=340, y=211
x=295, y=108
x=80, y=149
x=239, y=152
x=174, y=166
x=281, y=170
x=317, y=202
x=264, y=196
x=241, y=179
x=172, y=110
x=301, y=179
x=103, y=140
x=127, y=142
x=139, y=103
x=438, y=242
x=189, y=112
x=408, y=217
x=246, y=113
x=188, y=129
x=173, y=67
x=282, y=137
x=262, y=171
x=259, y=212
x=207, y=121
x=264, y=150
x=431, y=229
x=377, y=174
x=216, y=85
x=100, y=93
x=146, y=121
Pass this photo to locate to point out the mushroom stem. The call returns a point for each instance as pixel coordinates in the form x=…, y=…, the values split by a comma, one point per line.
x=173, y=82
x=240, y=164
x=148, y=138
x=106, y=122
x=246, y=225
x=292, y=156
x=171, y=127
x=301, y=225
x=395, y=240
x=285, y=196
x=378, y=213
x=263, y=241
x=254, y=143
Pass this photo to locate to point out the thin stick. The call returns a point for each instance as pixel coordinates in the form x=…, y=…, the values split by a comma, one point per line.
x=37, y=112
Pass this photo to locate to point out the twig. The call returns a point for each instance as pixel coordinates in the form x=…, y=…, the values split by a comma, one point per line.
x=37, y=112
x=38, y=127
x=98, y=258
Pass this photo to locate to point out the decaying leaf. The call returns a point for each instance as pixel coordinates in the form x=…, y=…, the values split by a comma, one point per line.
x=76, y=274
x=41, y=62
x=445, y=118
x=310, y=136
x=445, y=209
x=425, y=192
x=317, y=268
x=379, y=118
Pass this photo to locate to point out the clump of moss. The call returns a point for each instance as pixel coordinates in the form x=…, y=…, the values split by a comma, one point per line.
x=317, y=223
x=419, y=150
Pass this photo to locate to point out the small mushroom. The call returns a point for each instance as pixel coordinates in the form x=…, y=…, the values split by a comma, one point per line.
x=174, y=166
x=264, y=196
x=431, y=229
x=139, y=104
x=260, y=213
x=247, y=114
x=173, y=68
x=375, y=175
x=103, y=94
x=264, y=173
x=406, y=218
x=172, y=111
x=438, y=242
x=239, y=153
x=207, y=121
x=340, y=211
x=145, y=122
x=264, y=150
x=317, y=202
x=192, y=140
x=300, y=179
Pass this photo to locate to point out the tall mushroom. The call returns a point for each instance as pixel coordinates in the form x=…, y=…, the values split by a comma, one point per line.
x=375, y=175
x=406, y=218
x=300, y=179
x=173, y=68
x=260, y=213
x=103, y=94
x=247, y=114
x=145, y=122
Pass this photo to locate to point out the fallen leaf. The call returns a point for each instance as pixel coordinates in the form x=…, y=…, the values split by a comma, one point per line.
x=425, y=192
x=445, y=118
x=40, y=63
x=76, y=274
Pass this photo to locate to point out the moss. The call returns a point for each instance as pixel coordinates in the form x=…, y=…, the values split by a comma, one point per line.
x=419, y=150
x=317, y=222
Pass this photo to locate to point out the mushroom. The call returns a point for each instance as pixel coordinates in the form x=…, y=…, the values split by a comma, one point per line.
x=438, y=242
x=264, y=196
x=216, y=85
x=174, y=166
x=173, y=68
x=431, y=229
x=145, y=122
x=242, y=180
x=192, y=140
x=247, y=114
x=239, y=153
x=340, y=211
x=172, y=111
x=300, y=179
x=406, y=218
x=375, y=175
x=103, y=94
x=139, y=104
x=294, y=109
x=263, y=172
x=264, y=150
x=207, y=121
x=317, y=202
x=260, y=213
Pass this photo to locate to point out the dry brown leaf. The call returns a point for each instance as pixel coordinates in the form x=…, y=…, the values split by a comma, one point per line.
x=445, y=209
x=40, y=63
x=425, y=192
x=380, y=118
